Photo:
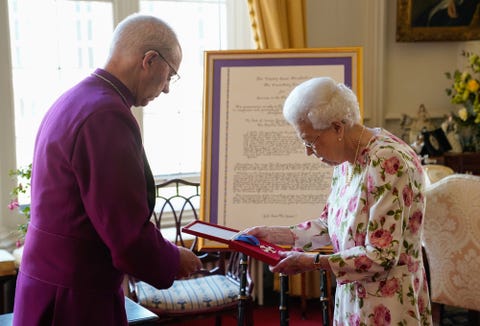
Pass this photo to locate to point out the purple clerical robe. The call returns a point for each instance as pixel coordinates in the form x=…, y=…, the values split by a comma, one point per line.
x=90, y=208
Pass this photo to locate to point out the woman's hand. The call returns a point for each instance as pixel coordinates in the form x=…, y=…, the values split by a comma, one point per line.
x=260, y=232
x=280, y=235
x=294, y=262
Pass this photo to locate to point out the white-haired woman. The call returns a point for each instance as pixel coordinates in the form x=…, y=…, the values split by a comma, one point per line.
x=373, y=215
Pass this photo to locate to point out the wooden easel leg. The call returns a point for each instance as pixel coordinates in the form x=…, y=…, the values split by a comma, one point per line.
x=284, y=318
x=242, y=302
x=324, y=297
x=303, y=296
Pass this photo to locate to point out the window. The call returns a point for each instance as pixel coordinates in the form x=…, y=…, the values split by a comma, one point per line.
x=172, y=124
x=54, y=44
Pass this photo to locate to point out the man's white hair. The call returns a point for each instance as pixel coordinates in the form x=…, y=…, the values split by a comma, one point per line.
x=139, y=33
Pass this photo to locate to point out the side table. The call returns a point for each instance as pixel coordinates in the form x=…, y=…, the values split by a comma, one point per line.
x=136, y=315
x=8, y=279
x=468, y=162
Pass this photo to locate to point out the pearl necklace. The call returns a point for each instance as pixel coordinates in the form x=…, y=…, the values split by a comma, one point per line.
x=350, y=173
x=111, y=84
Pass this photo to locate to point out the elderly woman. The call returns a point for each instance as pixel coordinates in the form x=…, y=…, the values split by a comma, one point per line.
x=373, y=216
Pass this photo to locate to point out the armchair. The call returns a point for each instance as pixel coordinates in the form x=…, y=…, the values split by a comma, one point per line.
x=452, y=243
x=436, y=172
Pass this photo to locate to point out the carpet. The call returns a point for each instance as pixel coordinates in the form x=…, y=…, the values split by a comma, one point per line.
x=269, y=315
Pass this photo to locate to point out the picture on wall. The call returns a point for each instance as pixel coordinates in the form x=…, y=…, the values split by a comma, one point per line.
x=254, y=167
x=438, y=20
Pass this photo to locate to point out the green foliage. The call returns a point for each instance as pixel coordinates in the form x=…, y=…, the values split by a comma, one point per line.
x=465, y=90
x=22, y=177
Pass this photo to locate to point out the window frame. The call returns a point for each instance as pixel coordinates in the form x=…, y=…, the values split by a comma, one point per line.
x=121, y=9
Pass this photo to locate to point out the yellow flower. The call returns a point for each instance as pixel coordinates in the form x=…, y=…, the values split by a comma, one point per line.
x=463, y=114
x=473, y=85
x=465, y=90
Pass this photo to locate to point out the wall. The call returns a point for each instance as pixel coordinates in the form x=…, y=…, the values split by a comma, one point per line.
x=410, y=74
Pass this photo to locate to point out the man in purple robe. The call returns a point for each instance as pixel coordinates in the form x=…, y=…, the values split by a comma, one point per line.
x=93, y=192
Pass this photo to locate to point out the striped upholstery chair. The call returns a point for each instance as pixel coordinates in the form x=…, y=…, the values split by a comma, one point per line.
x=213, y=291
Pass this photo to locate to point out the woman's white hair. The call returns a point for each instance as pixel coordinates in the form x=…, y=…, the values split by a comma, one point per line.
x=322, y=101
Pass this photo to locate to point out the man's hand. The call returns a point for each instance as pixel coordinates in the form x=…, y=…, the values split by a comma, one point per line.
x=189, y=262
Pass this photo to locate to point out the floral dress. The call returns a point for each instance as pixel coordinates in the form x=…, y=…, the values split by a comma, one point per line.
x=374, y=223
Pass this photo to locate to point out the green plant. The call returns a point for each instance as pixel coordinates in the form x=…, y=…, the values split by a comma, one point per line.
x=22, y=178
x=465, y=90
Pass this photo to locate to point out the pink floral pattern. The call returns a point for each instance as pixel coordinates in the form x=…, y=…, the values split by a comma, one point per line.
x=375, y=226
x=381, y=316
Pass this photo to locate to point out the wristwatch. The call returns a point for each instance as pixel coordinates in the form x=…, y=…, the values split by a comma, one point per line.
x=316, y=261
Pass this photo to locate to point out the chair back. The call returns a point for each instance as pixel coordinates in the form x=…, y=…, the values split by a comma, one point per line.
x=436, y=172
x=452, y=240
x=176, y=204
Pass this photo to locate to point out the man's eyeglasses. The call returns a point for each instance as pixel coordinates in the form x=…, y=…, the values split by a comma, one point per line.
x=310, y=145
x=174, y=76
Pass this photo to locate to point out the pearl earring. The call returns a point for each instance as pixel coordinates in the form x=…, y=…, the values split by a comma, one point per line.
x=339, y=138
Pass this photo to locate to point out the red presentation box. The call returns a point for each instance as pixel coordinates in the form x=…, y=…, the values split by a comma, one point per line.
x=264, y=251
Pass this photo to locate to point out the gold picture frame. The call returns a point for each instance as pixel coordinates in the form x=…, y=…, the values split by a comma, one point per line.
x=436, y=20
x=249, y=150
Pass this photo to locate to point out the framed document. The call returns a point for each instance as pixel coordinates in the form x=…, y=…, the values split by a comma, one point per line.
x=254, y=168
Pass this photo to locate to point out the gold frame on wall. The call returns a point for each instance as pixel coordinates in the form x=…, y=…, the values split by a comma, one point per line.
x=410, y=29
x=246, y=141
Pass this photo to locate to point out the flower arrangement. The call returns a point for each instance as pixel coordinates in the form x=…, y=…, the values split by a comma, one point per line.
x=22, y=176
x=465, y=91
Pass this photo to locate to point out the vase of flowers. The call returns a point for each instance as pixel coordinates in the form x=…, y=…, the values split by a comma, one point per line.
x=465, y=92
